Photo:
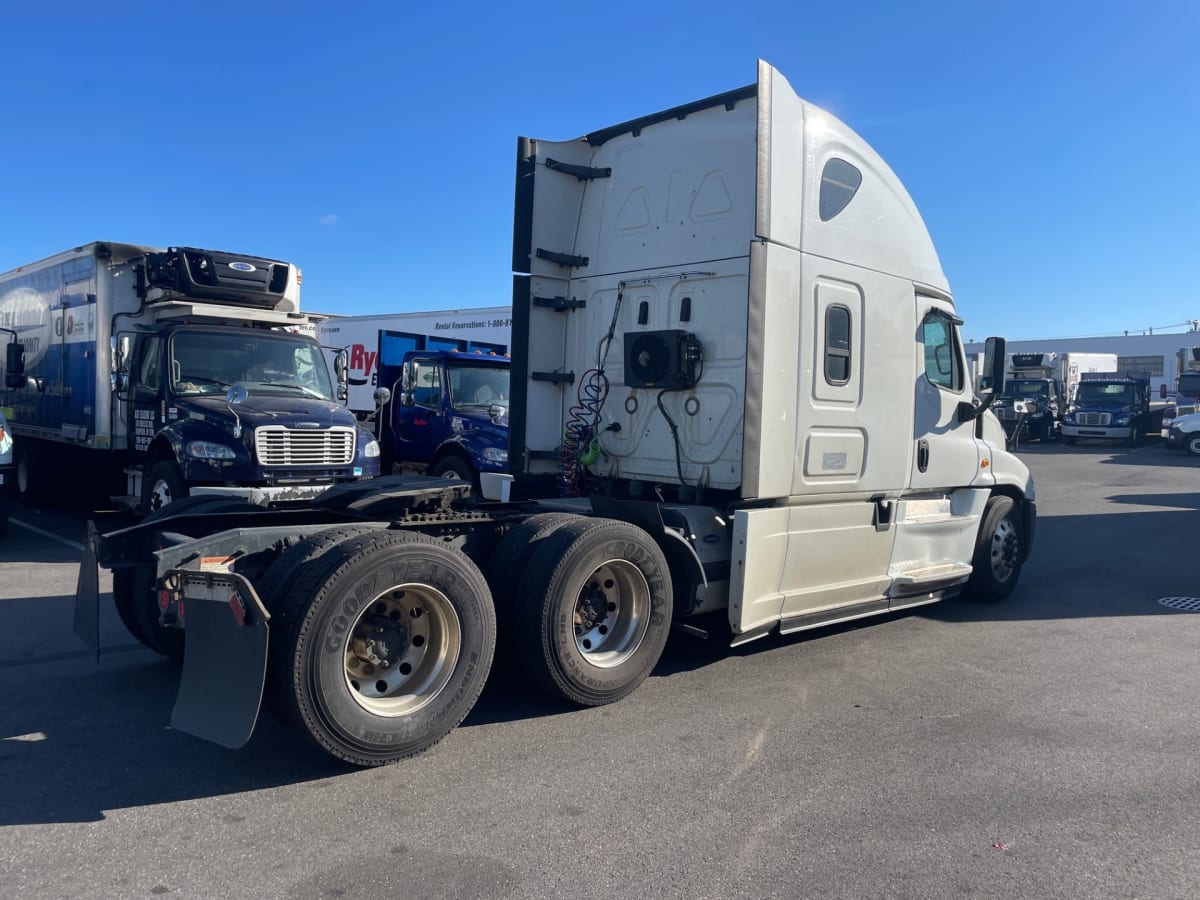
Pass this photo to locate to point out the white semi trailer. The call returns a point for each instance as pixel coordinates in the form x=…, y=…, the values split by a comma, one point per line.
x=740, y=389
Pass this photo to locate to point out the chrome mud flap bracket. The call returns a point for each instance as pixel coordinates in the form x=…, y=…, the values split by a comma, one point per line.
x=225, y=661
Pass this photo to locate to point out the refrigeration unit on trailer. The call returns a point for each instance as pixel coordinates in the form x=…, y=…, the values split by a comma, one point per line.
x=740, y=384
x=180, y=369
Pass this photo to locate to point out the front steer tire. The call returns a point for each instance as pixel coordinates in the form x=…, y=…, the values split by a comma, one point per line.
x=594, y=611
x=999, y=551
x=398, y=598
x=162, y=487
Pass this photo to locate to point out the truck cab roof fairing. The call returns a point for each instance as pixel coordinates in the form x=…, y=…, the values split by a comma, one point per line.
x=880, y=227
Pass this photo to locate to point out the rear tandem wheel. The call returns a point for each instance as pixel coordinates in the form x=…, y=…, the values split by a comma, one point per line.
x=594, y=610
x=385, y=642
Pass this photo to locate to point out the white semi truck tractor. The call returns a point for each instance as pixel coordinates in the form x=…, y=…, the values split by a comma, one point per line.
x=740, y=391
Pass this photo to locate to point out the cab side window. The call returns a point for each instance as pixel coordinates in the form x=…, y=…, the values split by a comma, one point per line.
x=149, y=370
x=942, y=365
x=427, y=387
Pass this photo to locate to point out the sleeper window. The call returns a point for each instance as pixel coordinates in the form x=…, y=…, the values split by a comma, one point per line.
x=839, y=183
x=837, y=345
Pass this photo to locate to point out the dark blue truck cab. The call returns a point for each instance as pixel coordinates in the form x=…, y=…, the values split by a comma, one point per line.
x=444, y=412
x=1108, y=405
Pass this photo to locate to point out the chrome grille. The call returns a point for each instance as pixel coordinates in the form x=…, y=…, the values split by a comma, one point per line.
x=276, y=445
x=1006, y=414
x=1093, y=418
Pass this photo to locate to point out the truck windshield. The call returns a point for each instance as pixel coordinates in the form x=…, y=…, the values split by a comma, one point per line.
x=1189, y=384
x=1100, y=393
x=1018, y=389
x=476, y=386
x=208, y=362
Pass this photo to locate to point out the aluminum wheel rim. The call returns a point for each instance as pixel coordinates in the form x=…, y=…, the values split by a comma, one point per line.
x=402, y=650
x=1004, y=550
x=160, y=495
x=612, y=613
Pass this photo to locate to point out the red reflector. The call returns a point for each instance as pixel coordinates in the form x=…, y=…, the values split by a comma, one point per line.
x=181, y=609
x=163, y=600
x=239, y=611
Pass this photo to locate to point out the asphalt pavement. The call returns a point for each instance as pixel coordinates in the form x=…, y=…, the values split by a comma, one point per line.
x=1041, y=747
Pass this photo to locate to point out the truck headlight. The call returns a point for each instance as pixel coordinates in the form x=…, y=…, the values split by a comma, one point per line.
x=1122, y=420
x=1069, y=419
x=209, y=450
x=495, y=454
x=371, y=449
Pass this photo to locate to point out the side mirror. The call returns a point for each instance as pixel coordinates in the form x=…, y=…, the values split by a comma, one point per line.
x=989, y=381
x=236, y=396
x=341, y=366
x=120, y=350
x=993, y=365
x=1162, y=391
x=14, y=365
x=382, y=396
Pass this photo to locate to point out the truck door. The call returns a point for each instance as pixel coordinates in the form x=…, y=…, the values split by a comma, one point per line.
x=421, y=423
x=146, y=392
x=946, y=453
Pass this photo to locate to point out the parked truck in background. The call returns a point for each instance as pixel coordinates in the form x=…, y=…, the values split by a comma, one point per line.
x=179, y=369
x=1110, y=406
x=374, y=341
x=718, y=439
x=1046, y=382
x=1185, y=399
x=443, y=412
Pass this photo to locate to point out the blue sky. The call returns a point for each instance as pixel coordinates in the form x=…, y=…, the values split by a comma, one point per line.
x=1051, y=147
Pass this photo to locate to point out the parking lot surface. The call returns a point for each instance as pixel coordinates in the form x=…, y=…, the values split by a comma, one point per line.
x=1042, y=747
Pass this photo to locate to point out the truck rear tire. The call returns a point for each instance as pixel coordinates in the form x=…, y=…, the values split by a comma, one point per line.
x=125, y=599
x=388, y=639
x=594, y=610
x=274, y=588
x=135, y=593
x=164, y=485
x=505, y=567
x=999, y=551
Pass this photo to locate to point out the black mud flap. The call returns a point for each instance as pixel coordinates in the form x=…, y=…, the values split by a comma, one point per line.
x=225, y=659
x=87, y=595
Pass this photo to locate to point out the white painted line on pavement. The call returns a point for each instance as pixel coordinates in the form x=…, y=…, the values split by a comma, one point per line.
x=49, y=534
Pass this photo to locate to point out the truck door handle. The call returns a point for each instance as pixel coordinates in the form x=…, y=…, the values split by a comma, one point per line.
x=922, y=455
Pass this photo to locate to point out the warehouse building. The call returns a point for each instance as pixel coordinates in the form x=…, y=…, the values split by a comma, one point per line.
x=1155, y=356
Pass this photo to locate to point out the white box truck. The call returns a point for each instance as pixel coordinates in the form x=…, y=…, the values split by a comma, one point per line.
x=739, y=388
x=122, y=360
